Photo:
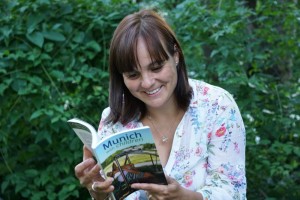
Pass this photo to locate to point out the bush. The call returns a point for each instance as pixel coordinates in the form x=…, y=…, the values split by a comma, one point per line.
x=253, y=52
x=53, y=66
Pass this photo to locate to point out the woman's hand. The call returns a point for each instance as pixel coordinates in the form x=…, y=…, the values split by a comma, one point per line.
x=171, y=191
x=88, y=173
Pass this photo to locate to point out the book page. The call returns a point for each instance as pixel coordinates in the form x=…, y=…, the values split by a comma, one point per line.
x=84, y=131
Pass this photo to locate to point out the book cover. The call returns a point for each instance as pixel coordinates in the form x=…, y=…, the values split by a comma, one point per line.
x=128, y=157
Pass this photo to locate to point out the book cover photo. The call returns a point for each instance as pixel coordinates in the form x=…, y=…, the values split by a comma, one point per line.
x=130, y=157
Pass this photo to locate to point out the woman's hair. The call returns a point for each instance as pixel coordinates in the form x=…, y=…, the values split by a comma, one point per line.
x=153, y=29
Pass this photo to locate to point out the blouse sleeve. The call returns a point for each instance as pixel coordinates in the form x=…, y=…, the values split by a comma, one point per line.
x=226, y=153
x=105, y=128
x=108, y=128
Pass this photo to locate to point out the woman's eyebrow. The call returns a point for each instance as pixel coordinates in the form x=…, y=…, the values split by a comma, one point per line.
x=155, y=62
x=151, y=64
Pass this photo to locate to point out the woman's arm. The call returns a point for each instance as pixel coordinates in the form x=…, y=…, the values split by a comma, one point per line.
x=226, y=153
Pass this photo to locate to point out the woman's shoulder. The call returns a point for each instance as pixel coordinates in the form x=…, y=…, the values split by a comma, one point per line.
x=203, y=88
x=107, y=128
x=105, y=113
x=205, y=92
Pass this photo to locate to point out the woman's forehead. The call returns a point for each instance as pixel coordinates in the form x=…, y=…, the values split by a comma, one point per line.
x=146, y=53
x=144, y=57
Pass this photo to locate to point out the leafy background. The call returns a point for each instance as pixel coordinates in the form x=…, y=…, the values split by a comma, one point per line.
x=53, y=66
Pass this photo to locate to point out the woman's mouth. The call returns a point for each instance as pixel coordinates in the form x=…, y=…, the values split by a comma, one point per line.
x=153, y=91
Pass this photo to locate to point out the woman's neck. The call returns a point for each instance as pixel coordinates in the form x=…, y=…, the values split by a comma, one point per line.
x=161, y=114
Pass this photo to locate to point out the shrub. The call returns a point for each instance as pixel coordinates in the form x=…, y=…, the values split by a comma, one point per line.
x=53, y=66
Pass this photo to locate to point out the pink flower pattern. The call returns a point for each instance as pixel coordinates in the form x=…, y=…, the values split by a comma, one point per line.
x=208, y=150
x=221, y=131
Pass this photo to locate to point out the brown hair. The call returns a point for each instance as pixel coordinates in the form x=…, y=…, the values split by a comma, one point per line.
x=156, y=33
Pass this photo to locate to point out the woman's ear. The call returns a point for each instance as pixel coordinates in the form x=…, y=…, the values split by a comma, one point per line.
x=176, y=54
x=175, y=48
x=176, y=57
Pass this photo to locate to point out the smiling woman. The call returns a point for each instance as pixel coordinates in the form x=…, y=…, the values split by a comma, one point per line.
x=197, y=127
x=147, y=44
x=153, y=84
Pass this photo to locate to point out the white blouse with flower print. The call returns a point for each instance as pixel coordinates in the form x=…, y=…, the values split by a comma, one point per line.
x=208, y=150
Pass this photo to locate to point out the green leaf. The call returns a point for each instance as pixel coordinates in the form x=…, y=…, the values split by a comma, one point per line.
x=54, y=36
x=4, y=186
x=39, y=195
x=43, y=135
x=93, y=45
x=36, y=114
x=72, y=187
x=20, y=185
x=31, y=172
x=36, y=38
x=57, y=74
x=36, y=80
x=6, y=31
x=33, y=20
x=19, y=84
x=297, y=151
x=4, y=85
x=214, y=52
x=66, y=9
x=43, y=179
x=48, y=47
x=55, y=119
x=78, y=38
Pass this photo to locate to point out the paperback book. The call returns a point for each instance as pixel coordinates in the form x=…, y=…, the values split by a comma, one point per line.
x=129, y=156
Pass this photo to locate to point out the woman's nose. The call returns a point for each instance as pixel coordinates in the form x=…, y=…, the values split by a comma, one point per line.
x=147, y=81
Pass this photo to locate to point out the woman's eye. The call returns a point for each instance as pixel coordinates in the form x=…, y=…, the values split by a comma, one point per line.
x=132, y=75
x=157, y=67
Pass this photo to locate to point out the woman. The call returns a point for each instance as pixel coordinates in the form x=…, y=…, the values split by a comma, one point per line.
x=197, y=127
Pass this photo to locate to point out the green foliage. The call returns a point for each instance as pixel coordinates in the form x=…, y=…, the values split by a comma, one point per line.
x=53, y=66
x=254, y=54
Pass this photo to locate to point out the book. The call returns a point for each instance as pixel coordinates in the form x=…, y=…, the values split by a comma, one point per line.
x=129, y=156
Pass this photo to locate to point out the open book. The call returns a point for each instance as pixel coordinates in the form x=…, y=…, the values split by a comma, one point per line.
x=129, y=156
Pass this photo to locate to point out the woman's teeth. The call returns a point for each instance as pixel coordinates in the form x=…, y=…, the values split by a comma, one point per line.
x=153, y=91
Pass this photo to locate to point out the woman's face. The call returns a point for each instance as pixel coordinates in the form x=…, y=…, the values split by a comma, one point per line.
x=153, y=83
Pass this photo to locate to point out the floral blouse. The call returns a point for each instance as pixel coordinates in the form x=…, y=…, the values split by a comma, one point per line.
x=208, y=150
